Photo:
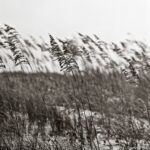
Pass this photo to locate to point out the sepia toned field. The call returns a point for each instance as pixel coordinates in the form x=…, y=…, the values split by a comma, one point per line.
x=73, y=94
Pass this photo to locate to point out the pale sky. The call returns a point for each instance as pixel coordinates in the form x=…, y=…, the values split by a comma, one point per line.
x=111, y=19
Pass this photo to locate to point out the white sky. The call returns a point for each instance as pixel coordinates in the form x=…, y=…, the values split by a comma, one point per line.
x=111, y=19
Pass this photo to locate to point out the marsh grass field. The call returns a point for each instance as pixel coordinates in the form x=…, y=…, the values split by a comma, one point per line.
x=79, y=109
x=44, y=111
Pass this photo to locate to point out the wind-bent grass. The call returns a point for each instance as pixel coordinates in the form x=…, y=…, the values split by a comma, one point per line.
x=87, y=109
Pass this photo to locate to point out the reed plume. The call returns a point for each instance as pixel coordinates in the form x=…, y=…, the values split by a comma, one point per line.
x=16, y=46
x=65, y=59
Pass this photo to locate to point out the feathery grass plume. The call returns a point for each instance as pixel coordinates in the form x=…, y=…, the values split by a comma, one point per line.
x=102, y=46
x=131, y=74
x=2, y=65
x=64, y=45
x=15, y=46
x=86, y=53
x=100, y=42
x=142, y=45
x=4, y=44
x=115, y=48
x=123, y=44
x=85, y=48
x=3, y=38
x=118, y=49
x=1, y=41
x=66, y=60
x=87, y=40
x=71, y=46
x=44, y=43
x=56, y=51
x=143, y=56
x=28, y=43
x=83, y=38
x=90, y=39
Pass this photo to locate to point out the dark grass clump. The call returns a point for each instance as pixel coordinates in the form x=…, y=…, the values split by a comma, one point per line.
x=45, y=108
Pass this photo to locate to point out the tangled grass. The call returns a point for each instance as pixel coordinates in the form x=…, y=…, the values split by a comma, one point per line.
x=90, y=115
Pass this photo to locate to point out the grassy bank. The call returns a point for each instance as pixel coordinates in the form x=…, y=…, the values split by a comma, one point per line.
x=39, y=111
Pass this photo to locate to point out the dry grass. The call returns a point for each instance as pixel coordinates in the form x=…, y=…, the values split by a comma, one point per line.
x=87, y=110
x=33, y=114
